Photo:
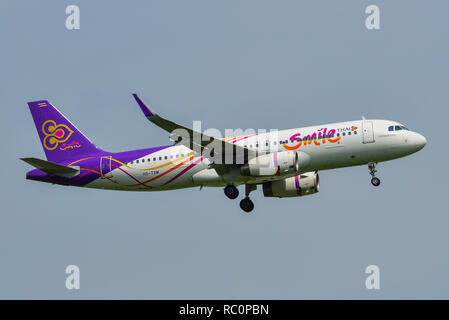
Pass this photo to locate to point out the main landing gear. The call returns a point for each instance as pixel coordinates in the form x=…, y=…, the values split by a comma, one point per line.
x=375, y=181
x=246, y=204
x=231, y=191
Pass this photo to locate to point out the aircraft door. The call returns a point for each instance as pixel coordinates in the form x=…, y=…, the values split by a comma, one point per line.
x=106, y=167
x=265, y=146
x=368, y=132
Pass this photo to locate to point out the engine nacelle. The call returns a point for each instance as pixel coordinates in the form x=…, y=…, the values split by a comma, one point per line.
x=297, y=186
x=276, y=163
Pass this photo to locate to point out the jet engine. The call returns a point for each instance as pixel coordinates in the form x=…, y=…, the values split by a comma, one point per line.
x=276, y=163
x=297, y=186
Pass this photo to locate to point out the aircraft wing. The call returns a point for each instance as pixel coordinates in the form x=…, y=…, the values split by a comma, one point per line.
x=189, y=138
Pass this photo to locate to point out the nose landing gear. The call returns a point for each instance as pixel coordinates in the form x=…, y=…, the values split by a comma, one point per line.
x=372, y=171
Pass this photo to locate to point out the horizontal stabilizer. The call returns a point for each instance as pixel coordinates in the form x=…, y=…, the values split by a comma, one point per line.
x=52, y=168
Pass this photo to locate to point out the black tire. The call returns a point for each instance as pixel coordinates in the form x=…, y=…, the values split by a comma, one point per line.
x=246, y=205
x=375, y=181
x=231, y=191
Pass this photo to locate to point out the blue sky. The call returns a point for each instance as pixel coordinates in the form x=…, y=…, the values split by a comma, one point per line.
x=234, y=64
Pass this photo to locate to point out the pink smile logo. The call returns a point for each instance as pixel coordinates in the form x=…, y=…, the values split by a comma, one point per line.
x=54, y=134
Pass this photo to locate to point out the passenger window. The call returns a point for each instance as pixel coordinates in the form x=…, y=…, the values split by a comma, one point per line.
x=143, y=160
x=344, y=133
x=274, y=142
x=137, y=161
x=171, y=157
x=355, y=132
x=177, y=155
x=160, y=158
x=154, y=159
x=165, y=157
x=349, y=133
x=338, y=134
x=391, y=128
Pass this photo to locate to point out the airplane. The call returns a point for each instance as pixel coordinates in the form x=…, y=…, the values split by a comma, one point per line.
x=285, y=163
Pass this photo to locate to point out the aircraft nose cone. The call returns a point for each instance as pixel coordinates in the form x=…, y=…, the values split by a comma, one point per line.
x=420, y=141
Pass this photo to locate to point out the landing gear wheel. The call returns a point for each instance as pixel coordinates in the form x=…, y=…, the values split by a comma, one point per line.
x=375, y=181
x=372, y=171
x=231, y=191
x=246, y=205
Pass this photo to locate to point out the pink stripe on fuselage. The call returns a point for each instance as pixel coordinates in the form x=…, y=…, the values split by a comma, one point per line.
x=185, y=170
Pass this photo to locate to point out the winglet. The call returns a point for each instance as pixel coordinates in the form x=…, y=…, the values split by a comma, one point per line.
x=145, y=109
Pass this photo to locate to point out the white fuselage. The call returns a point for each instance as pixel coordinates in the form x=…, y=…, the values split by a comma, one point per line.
x=329, y=146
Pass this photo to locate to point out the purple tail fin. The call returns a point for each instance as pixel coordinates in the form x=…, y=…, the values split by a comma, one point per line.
x=61, y=140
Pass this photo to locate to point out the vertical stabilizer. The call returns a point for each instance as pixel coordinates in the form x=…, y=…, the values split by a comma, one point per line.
x=60, y=139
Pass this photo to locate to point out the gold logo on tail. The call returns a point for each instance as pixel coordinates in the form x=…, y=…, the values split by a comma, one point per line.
x=55, y=134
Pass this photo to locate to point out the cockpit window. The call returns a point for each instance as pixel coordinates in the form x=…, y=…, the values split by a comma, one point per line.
x=397, y=128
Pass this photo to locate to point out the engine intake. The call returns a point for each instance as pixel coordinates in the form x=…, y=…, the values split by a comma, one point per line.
x=297, y=186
